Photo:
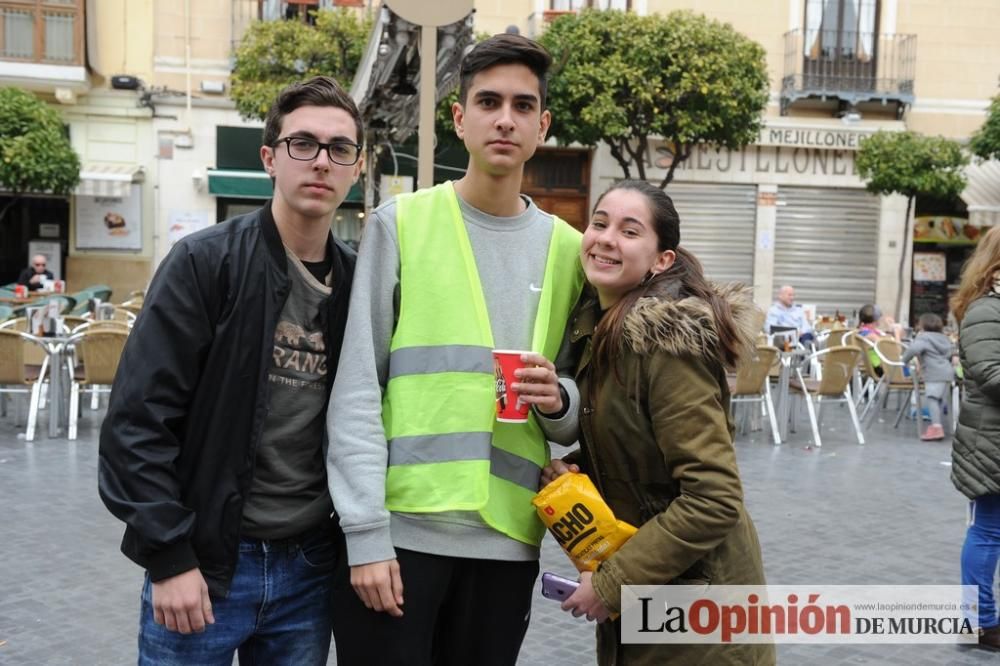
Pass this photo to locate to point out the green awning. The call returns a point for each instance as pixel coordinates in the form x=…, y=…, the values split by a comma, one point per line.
x=237, y=184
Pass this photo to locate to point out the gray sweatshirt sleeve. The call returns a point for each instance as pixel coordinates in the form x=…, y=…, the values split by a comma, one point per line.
x=915, y=348
x=358, y=453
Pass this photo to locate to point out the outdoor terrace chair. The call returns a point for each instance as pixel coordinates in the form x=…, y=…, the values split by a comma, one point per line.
x=120, y=315
x=99, y=351
x=752, y=385
x=838, y=364
x=897, y=377
x=17, y=375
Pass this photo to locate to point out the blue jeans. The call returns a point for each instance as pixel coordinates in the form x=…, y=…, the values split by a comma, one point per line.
x=277, y=611
x=980, y=554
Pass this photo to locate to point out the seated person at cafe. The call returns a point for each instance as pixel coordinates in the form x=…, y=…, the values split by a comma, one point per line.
x=35, y=275
x=868, y=317
x=785, y=314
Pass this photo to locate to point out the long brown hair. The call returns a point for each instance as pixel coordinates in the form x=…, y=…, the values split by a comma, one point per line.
x=686, y=271
x=977, y=274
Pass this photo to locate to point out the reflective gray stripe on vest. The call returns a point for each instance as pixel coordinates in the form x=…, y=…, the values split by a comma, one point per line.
x=514, y=468
x=442, y=358
x=417, y=449
x=420, y=449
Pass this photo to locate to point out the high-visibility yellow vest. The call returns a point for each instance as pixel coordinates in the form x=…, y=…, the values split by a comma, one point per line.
x=447, y=451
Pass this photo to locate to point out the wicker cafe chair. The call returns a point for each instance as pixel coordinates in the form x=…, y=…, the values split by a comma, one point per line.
x=867, y=378
x=838, y=364
x=99, y=350
x=84, y=324
x=17, y=375
x=752, y=385
x=120, y=315
x=896, y=377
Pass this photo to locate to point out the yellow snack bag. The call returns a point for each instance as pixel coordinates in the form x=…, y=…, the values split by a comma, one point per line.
x=580, y=520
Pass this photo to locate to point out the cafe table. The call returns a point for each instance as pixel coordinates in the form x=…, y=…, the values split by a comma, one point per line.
x=787, y=359
x=59, y=380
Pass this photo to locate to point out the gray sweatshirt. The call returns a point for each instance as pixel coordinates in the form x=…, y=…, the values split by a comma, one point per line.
x=934, y=351
x=510, y=255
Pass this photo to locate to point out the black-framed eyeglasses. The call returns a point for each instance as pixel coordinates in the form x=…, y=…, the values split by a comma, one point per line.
x=343, y=153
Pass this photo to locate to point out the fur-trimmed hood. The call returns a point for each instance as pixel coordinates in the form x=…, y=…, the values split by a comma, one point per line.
x=687, y=325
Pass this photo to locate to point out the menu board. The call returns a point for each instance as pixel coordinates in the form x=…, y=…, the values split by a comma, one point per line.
x=929, y=297
x=930, y=267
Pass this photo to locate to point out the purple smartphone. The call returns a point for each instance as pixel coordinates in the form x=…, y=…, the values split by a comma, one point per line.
x=556, y=587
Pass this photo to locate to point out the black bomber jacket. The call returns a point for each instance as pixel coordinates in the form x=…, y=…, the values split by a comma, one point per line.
x=190, y=397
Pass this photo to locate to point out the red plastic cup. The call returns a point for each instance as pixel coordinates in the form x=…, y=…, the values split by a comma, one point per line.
x=20, y=291
x=510, y=408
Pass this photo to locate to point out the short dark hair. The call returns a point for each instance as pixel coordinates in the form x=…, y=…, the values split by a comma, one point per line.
x=317, y=91
x=866, y=315
x=505, y=49
x=930, y=322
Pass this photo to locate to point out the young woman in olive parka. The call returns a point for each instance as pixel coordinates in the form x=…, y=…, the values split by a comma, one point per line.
x=654, y=341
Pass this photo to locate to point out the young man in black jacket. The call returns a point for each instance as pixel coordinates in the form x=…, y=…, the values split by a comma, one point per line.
x=212, y=451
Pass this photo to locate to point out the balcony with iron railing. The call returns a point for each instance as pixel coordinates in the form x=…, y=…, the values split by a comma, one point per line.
x=852, y=67
x=538, y=21
x=245, y=12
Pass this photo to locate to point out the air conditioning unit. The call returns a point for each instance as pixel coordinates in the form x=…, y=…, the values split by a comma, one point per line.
x=125, y=82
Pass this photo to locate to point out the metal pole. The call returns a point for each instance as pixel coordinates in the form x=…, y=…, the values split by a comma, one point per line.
x=428, y=92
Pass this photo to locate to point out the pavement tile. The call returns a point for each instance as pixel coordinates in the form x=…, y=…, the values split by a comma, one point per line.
x=883, y=513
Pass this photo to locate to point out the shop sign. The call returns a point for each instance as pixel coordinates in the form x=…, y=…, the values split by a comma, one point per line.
x=804, y=137
x=755, y=164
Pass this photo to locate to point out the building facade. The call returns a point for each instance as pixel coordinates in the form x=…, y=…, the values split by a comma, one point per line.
x=791, y=209
x=143, y=86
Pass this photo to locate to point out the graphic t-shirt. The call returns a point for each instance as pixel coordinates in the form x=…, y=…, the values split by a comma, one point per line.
x=289, y=492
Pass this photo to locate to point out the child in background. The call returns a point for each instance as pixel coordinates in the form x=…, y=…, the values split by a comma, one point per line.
x=867, y=316
x=933, y=349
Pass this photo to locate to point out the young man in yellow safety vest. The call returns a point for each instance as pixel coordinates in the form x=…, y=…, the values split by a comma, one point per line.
x=433, y=493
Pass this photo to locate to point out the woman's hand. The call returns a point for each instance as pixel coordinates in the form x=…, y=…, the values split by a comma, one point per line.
x=585, y=601
x=538, y=384
x=554, y=470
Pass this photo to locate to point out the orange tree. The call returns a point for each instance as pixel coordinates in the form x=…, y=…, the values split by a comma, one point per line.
x=35, y=152
x=621, y=78
x=913, y=165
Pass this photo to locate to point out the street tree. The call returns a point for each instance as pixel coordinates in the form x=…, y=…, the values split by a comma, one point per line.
x=274, y=54
x=912, y=165
x=35, y=152
x=986, y=141
x=621, y=78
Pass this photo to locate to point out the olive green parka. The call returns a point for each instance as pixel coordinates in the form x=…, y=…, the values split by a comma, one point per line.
x=657, y=440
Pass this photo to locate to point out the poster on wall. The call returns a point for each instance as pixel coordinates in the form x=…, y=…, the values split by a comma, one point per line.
x=945, y=230
x=930, y=267
x=183, y=222
x=109, y=223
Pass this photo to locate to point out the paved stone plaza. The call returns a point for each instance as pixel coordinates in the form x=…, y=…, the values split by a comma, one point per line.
x=885, y=513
